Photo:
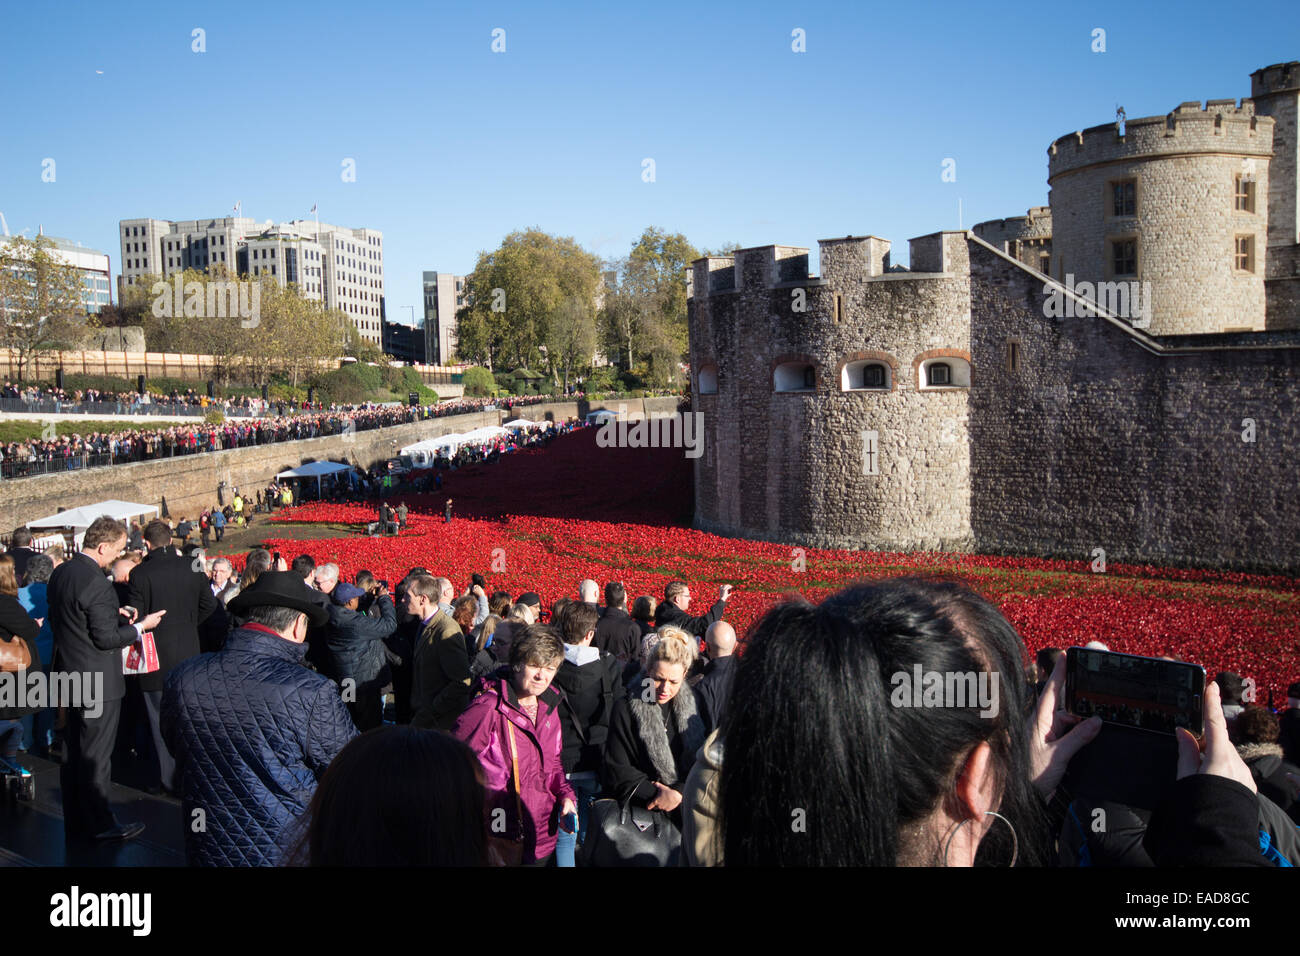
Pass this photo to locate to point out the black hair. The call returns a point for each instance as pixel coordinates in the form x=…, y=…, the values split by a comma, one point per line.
x=303, y=565
x=1230, y=686
x=615, y=594
x=399, y=796
x=814, y=736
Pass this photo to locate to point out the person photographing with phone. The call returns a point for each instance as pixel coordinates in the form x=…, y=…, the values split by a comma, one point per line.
x=677, y=599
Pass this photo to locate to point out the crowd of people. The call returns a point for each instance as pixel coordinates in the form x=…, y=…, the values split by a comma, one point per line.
x=48, y=398
x=20, y=459
x=321, y=721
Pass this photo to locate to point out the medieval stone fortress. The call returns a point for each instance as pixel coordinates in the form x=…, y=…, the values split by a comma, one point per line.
x=955, y=405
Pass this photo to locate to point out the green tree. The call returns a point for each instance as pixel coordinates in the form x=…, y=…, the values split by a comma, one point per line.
x=644, y=315
x=516, y=292
x=571, y=341
x=478, y=381
x=41, y=302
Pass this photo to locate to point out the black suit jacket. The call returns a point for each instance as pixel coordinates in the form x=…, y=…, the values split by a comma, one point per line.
x=667, y=613
x=21, y=556
x=166, y=581
x=84, y=620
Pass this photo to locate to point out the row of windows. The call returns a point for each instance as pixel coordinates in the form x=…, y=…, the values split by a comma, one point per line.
x=1123, y=195
x=864, y=375
x=1123, y=256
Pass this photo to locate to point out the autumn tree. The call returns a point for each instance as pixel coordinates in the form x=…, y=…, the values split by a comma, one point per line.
x=41, y=300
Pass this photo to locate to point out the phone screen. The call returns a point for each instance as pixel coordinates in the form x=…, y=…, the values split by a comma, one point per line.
x=1142, y=692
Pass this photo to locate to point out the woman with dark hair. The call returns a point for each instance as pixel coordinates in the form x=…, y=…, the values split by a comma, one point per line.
x=398, y=796
x=883, y=770
x=643, y=612
x=514, y=728
x=893, y=725
x=18, y=654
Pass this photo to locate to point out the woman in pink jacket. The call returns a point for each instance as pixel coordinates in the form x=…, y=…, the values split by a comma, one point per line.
x=514, y=728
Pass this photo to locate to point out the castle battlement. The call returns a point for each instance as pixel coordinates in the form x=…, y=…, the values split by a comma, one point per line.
x=1221, y=126
x=1278, y=78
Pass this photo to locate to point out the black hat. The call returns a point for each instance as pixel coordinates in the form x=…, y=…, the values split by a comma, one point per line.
x=279, y=589
x=530, y=598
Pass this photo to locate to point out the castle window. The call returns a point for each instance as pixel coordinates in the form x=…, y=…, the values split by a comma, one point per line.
x=839, y=307
x=866, y=375
x=1244, y=257
x=708, y=380
x=1123, y=197
x=1045, y=263
x=1123, y=257
x=794, y=377
x=943, y=373
x=1013, y=355
x=1243, y=193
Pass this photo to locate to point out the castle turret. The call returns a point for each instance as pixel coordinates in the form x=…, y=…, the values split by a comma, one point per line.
x=1176, y=201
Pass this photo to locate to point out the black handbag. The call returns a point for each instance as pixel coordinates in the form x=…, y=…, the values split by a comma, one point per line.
x=624, y=835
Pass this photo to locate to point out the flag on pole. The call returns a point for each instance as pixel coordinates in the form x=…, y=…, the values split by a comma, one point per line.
x=238, y=204
x=313, y=208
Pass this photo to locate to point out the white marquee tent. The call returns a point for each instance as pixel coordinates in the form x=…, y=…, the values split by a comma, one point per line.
x=315, y=469
x=79, y=519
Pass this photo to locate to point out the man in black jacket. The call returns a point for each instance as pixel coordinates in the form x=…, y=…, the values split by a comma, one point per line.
x=677, y=598
x=88, y=641
x=20, y=550
x=356, y=648
x=616, y=632
x=714, y=688
x=166, y=581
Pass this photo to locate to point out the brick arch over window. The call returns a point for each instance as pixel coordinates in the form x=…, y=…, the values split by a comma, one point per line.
x=781, y=360
x=870, y=356
x=937, y=354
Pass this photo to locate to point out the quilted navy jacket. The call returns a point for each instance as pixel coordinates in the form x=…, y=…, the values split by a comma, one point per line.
x=252, y=731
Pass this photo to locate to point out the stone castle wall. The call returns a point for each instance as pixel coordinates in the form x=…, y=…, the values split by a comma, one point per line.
x=1101, y=437
x=790, y=465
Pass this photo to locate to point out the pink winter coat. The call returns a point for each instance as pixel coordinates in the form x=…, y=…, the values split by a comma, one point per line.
x=542, y=785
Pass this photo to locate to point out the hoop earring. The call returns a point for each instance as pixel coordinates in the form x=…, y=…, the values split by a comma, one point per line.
x=1015, y=839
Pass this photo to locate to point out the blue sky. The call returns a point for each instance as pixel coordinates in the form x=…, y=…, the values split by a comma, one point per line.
x=455, y=146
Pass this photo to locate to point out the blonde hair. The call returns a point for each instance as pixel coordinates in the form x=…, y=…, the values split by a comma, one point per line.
x=674, y=646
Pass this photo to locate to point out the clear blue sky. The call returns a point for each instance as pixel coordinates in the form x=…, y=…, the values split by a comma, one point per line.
x=455, y=146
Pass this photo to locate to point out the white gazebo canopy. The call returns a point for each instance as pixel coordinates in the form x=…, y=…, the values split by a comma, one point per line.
x=486, y=433
x=522, y=423
x=78, y=518
x=315, y=469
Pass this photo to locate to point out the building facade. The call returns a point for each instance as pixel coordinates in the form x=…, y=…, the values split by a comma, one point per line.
x=340, y=267
x=979, y=401
x=444, y=293
x=93, y=266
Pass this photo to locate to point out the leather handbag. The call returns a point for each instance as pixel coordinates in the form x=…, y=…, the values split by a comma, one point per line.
x=509, y=851
x=624, y=835
x=14, y=655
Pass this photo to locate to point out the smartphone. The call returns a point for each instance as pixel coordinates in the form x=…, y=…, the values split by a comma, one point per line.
x=569, y=822
x=1144, y=693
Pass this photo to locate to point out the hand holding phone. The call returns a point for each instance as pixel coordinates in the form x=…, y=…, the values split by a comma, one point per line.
x=129, y=613
x=569, y=823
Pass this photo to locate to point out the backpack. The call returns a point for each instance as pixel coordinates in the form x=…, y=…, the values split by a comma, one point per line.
x=601, y=732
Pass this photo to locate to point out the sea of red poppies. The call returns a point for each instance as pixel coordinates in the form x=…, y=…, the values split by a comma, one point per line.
x=543, y=519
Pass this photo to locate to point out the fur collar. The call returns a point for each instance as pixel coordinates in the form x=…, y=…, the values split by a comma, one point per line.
x=652, y=732
x=1253, y=751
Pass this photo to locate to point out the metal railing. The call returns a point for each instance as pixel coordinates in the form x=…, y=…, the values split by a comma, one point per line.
x=52, y=406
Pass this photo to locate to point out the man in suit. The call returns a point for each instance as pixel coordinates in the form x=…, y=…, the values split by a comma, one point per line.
x=441, y=679
x=167, y=581
x=20, y=549
x=88, y=641
x=616, y=632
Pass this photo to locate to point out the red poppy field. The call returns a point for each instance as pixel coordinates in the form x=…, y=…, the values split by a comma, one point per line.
x=542, y=520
